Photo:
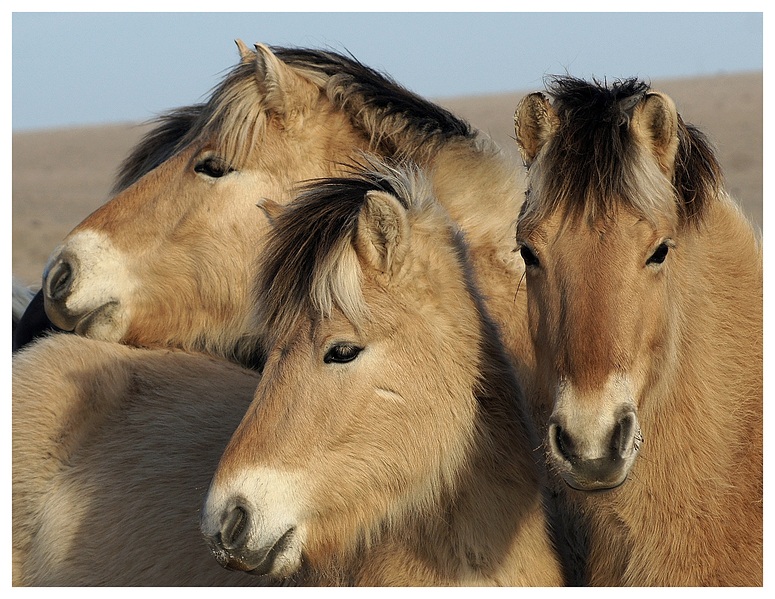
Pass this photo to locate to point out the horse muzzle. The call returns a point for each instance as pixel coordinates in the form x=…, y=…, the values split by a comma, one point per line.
x=594, y=462
x=236, y=546
x=81, y=289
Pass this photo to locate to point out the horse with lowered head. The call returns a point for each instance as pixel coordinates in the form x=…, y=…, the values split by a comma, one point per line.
x=644, y=286
x=168, y=260
x=388, y=442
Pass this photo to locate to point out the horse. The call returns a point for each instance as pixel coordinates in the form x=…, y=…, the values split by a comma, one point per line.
x=167, y=261
x=388, y=442
x=114, y=446
x=644, y=293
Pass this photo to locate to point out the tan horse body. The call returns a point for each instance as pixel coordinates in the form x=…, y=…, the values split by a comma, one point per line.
x=644, y=286
x=114, y=447
x=388, y=441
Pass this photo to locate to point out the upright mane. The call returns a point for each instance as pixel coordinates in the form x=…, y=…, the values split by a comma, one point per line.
x=309, y=262
x=594, y=157
x=396, y=121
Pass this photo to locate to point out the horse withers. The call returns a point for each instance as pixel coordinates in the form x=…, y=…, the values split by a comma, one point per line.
x=387, y=443
x=644, y=285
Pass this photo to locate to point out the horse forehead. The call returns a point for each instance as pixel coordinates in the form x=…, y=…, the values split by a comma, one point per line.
x=617, y=234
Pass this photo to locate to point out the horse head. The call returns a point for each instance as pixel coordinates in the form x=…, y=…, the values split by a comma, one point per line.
x=611, y=190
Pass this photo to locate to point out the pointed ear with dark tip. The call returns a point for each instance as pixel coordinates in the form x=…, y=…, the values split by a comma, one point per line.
x=382, y=235
x=534, y=124
x=655, y=123
x=246, y=54
x=285, y=92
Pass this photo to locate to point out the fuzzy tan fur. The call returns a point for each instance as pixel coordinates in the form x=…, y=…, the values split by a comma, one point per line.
x=686, y=332
x=113, y=449
x=416, y=461
x=280, y=121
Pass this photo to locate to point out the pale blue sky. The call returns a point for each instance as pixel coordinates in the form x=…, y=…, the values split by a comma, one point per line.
x=94, y=68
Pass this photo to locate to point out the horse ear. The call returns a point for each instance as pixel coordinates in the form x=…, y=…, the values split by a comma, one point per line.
x=534, y=123
x=271, y=209
x=655, y=121
x=285, y=92
x=382, y=235
x=246, y=54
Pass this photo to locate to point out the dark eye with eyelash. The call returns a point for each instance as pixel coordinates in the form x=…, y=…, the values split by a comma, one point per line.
x=341, y=353
x=659, y=255
x=213, y=167
x=531, y=260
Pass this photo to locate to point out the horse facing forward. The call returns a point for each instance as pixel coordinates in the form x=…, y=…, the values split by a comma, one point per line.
x=644, y=286
x=388, y=442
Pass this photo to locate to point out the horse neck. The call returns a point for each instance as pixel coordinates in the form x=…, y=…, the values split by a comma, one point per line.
x=483, y=188
x=489, y=529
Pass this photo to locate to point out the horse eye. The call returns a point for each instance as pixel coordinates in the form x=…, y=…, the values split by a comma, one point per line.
x=214, y=167
x=528, y=256
x=658, y=257
x=341, y=353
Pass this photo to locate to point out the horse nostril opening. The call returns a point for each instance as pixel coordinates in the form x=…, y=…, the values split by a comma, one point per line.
x=59, y=280
x=561, y=442
x=626, y=435
x=234, y=529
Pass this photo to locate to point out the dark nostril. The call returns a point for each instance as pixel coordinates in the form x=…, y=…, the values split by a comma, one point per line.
x=59, y=280
x=561, y=442
x=234, y=529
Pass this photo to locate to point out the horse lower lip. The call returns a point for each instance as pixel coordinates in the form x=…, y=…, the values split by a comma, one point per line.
x=267, y=563
x=86, y=322
x=591, y=487
x=60, y=318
